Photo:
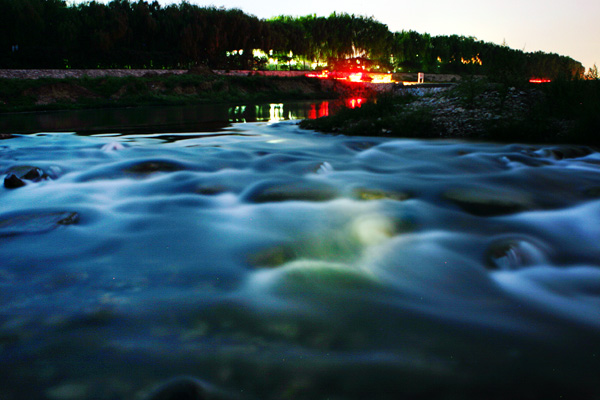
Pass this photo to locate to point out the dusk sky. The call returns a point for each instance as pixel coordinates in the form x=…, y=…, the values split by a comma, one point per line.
x=570, y=28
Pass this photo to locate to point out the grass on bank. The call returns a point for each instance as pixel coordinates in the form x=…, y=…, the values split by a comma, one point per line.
x=18, y=95
x=563, y=111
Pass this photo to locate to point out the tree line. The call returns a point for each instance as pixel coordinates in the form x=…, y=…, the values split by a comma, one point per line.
x=139, y=34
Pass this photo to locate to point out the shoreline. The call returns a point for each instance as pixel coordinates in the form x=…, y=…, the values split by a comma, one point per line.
x=70, y=93
x=23, y=90
x=563, y=112
x=474, y=108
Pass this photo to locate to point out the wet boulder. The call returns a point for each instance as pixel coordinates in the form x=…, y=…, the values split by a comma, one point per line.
x=488, y=202
x=280, y=190
x=12, y=182
x=17, y=176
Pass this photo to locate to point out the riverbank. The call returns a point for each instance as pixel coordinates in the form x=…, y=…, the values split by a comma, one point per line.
x=67, y=89
x=192, y=87
x=558, y=112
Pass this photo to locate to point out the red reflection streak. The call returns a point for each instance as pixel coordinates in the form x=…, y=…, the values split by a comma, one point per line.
x=312, y=113
x=321, y=111
x=324, y=109
x=355, y=102
x=538, y=80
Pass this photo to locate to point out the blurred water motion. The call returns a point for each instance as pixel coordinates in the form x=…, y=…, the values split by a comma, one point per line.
x=265, y=262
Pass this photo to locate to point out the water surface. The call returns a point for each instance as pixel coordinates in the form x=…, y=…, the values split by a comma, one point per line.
x=269, y=262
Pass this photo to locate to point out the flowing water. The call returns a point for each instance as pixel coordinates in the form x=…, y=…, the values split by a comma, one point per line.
x=262, y=261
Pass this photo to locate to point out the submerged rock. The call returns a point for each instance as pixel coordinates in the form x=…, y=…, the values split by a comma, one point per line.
x=312, y=276
x=68, y=391
x=180, y=389
x=113, y=146
x=484, y=202
x=211, y=190
x=565, y=152
x=188, y=388
x=359, y=146
x=273, y=257
x=593, y=192
x=378, y=194
x=151, y=167
x=511, y=254
x=275, y=191
x=35, y=223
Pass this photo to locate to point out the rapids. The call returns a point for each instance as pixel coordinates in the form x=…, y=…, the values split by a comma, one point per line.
x=266, y=262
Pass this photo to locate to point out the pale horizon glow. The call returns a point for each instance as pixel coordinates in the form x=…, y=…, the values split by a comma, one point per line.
x=566, y=28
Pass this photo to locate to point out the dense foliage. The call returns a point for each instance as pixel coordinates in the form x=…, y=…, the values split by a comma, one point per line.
x=138, y=34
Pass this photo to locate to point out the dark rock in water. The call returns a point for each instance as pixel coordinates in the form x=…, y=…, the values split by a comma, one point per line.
x=564, y=152
x=12, y=182
x=211, y=190
x=17, y=175
x=488, y=203
x=35, y=223
x=593, y=192
x=34, y=174
x=274, y=191
x=180, y=389
x=4, y=136
x=28, y=172
x=151, y=167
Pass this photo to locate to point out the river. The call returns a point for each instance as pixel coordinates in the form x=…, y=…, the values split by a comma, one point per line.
x=260, y=261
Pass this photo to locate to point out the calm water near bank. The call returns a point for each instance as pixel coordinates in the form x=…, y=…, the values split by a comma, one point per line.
x=268, y=262
x=190, y=118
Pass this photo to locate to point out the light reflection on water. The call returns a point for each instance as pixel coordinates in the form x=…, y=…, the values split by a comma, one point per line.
x=276, y=263
x=195, y=118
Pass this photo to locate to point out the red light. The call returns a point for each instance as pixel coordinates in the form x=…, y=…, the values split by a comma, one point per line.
x=369, y=77
x=321, y=75
x=538, y=80
x=358, y=77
